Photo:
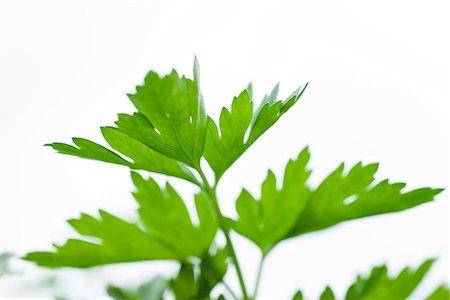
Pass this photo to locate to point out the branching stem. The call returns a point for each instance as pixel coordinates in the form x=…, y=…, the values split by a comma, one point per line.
x=228, y=288
x=258, y=276
x=211, y=191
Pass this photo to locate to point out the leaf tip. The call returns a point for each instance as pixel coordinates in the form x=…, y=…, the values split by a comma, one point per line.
x=438, y=190
x=104, y=129
x=72, y=222
x=103, y=214
x=196, y=69
x=77, y=140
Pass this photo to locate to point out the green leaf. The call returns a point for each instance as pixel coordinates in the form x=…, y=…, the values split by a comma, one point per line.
x=166, y=217
x=194, y=282
x=119, y=293
x=297, y=208
x=380, y=285
x=212, y=270
x=90, y=150
x=298, y=296
x=152, y=290
x=327, y=294
x=117, y=241
x=169, y=127
x=184, y=285
x=175, y=115
x=441, y=293
x=169, y=232
x=120, y=242
x=342, y=197
x=268, y=220
x=145, y=158
x=224, y=147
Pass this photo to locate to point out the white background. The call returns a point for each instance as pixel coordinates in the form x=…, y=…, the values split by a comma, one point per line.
x=378, y=73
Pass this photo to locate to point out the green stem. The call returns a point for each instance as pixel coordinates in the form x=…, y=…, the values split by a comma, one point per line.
x=228, y=288
x=225, y=229
x=258, y=277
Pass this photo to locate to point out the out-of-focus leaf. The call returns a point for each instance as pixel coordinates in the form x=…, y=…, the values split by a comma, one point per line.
x=440, y=293
x=327, y=294
x=4, y=263
x=152, y=290
x=380, y=285
x=223, y=147
x=298, y=296
x=268, y=220
x=212, y=270
x=184, y=285
x=119, y=293
x=197, y=283
x=166, y=217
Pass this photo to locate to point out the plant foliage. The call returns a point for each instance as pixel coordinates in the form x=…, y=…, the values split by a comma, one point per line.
x=380, y=285
x=170, y=133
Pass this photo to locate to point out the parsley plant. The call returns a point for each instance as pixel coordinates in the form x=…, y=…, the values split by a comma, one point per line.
x=170, y=133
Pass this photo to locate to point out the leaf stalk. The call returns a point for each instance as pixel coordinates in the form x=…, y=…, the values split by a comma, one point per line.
x=258, y=276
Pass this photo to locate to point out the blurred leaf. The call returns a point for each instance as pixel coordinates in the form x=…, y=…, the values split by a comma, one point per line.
x=197, y=283
x=379, y=285
x=152, y=290
x=441, y=293
x=327, y=294
x=50, y=281
x=119, y=293
x=184, y=285
x=298, y=296
x=4, y=263
x=212, y=270
x=223, y=148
